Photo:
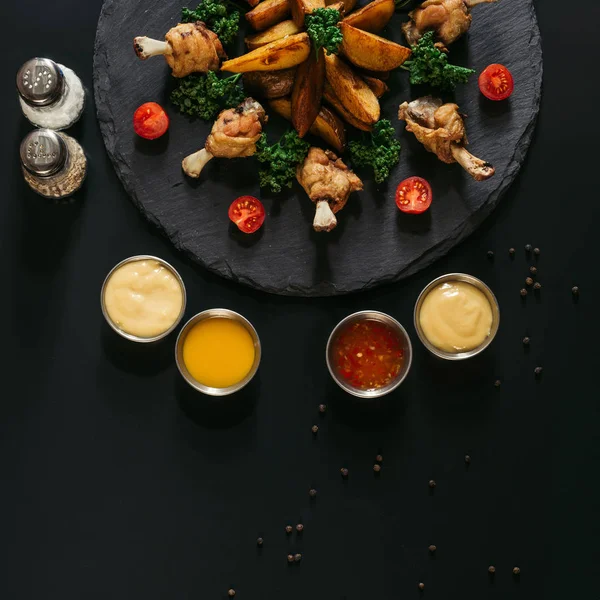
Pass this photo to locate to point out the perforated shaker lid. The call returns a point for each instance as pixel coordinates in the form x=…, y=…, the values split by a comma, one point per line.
x=43, y=152
x=40, y=82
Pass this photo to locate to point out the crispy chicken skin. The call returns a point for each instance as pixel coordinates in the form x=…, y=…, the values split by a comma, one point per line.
x=188, y=48
x=328, y=183
x=234, y=135
x=441, y=129
x=448, y=18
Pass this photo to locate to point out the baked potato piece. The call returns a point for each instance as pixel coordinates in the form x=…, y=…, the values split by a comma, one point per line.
x=307, y=92
x=269, y=84
x=276, y=32
x=352, y=90
x=370, y=51
x=372, y=17
x=328, y=126
x=348, y=4
x=330, y=97
x=267, y=13
x=301, y=8
x=274, y=56
x=378, y=87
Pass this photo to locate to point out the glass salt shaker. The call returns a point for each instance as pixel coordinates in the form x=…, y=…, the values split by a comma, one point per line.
x=54, y=164
x=51, y=95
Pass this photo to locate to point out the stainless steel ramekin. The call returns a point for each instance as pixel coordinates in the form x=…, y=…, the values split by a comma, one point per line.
x=217, y=313
x=372, y=315
x=480, y=286
x=129, y=336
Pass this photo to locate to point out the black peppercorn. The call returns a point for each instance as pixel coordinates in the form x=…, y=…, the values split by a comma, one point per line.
x=432, y=548
x=537, y=285
x=289, y=529
x=231, y=593
x=490, y=254
x=523, y=292
x=528, y=248
x=290, y=558
x=421, y=586
x=297, y=557
x=538, y=370
x=516, y=571
x=529, y=281
x=377, y=468
x=432, y=483
x=536, y=251
x=491, y=569
x=379, y=458
x=312, y=492
x=575, y=290
x=467, y=459
x=322, y=408
x=533, y=270
x=315, y=429
x=511, y=251
x=497, y=383
x=344, y=472
x=259, y=542
x=299, y=528
x=526, y=341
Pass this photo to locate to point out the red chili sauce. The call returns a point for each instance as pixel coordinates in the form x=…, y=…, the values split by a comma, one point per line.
x=368, y=354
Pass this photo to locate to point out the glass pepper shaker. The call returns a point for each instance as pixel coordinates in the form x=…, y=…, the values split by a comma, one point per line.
x=51, y=95
x=54, y=164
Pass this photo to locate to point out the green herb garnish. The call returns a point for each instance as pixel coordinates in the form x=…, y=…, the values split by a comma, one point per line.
x=322, y=26
x=220, y=16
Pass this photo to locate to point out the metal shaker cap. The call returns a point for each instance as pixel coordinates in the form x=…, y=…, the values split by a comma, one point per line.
x=40, y=82
x=43, y=152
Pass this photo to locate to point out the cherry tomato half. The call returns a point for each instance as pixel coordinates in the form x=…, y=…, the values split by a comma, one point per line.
x=248, y=213
x=496, y=82
x=414, y=195
x=150, y=121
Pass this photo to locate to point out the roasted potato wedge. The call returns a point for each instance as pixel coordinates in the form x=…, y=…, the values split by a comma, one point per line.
x=269, y=84
x=370, y=51
x=280, y=54
x=276, y=32
x=373, y=17
x=351, y=89
x=267, y=13
x=348, y=4
x=252, y=2
x=301, y=8
x=378, y=87
x=307, y=92
x=330, y=97
x=328, y=126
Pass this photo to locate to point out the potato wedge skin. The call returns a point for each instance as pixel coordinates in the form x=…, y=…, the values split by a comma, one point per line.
x=348, y=4
x=328, y=126
x=267, y=13
x=269, y=84
x=369, y=51
x=373, y=17
x=280, y=54
x=378, y=87
x=307, y=92
x=276, y=32
x=330, y=97
x=351, y=90
x=301, y=8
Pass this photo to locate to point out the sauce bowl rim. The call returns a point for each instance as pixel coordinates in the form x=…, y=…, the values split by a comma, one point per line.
x=375, y=315
x=213, y=313
x=130, y=336
x=475, y=282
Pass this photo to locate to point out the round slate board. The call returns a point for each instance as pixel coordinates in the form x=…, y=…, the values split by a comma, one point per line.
x=373, y=243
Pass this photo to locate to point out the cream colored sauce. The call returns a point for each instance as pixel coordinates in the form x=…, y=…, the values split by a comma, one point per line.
x=456, y=317
x=143, y=298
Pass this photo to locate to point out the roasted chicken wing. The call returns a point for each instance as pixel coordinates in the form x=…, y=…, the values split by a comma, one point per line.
x=441, y=129
x=188, y=48
x=448, y=18
x=328, y=183
x=233, y=135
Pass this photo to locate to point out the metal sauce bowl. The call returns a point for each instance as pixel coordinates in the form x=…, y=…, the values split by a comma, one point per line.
x=213, y=313
x=129, y=336
x=371, y=315
x=450, y=277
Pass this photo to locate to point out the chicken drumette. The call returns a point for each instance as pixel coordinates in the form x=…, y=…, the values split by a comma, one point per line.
x=188, y=48
x=448, y=18
x=328, y=183
x=441, y=129
x=234, y=135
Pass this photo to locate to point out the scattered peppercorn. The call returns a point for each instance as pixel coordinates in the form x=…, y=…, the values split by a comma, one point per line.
x=516, y=571
x=526, y=341
x=377, y=468
x=299, y=528
x=536, y=251
x=491, y=569
x=289, y=529
x=432, y=548
x=497, y=383
x=312, y=492
x=315, y=429
x=523, y=292
x=575, y=290
x=432, y=483
x=297, y=557
x=511, y=251
x=537, y=285
x=379, y=458
x=290, y=558
x=259, y=542
x=529, y=281
x=344, y=472
x=322, y=408
x=467, y=459
x=538, y=370
x=421, y=586
x=528, y=248
x=231, y=593
x=490, y=254
x=533, y=270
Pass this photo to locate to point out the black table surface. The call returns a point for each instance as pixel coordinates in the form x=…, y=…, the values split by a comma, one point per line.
x=118, y=482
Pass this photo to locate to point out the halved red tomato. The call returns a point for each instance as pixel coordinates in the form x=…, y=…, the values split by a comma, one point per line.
x=150, y=121
x=414, y=195
x=248, y=213
x=496, y=82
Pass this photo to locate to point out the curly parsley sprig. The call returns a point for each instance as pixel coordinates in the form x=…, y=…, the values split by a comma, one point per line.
x=322, y=26
x=220, y=16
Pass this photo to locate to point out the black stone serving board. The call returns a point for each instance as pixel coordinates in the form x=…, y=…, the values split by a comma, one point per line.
x=373, y=242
